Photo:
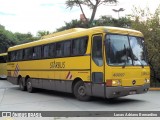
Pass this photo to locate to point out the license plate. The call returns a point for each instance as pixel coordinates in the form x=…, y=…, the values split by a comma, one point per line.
x=132, y=92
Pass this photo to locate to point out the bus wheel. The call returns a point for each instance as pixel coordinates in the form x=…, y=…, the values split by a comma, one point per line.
x=79, y=91
x=30, y=89
x=21, y=85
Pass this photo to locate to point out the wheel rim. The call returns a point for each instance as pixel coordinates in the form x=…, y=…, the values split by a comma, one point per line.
x=81, y=90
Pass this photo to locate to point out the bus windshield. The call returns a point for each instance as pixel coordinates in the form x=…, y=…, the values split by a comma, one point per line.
x=125, y=50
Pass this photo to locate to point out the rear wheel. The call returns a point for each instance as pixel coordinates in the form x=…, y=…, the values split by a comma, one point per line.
x=21, y=85
x=30, y=89
x=80, y=91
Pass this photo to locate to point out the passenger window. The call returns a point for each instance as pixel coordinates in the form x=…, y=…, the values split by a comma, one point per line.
x=46, y=51
x=28, y=53
x=19, y=55
x=52, y=50
x=59, y=49
x=97, y=50
x=67, y=48
x=79, y=46
x=9, y=57
x=83, y=45
x=37, y=52
x=2, y=59
x=13, y=57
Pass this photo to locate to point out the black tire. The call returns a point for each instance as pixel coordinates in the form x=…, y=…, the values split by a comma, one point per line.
x=22, y=85
x=79, y=91
x=30, y=89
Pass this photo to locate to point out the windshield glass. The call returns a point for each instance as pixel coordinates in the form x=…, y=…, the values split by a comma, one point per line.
x=137, y=47
x=125, y=50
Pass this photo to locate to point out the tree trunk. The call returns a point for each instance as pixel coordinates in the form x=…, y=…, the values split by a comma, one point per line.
x=93, y=14
x=82, y=11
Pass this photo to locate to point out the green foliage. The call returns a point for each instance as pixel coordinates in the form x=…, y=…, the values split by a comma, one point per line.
x=108, y=21
x=72, y=24
x=42, y=33
x=102, y=21
x=92, y=4
x=149, y=25
x=8, y=39
x=24, y=38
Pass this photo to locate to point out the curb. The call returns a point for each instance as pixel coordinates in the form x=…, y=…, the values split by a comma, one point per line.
x=154, y=89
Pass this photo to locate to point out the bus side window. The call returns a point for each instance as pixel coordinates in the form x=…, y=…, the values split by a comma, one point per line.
x=28, y=54
x=67, y=48
x=9, y=57
x=19, y=55
x=75, y=47
x=79, y=46
x=97, y=50
x=37, y=52
x=2, y=59
x=52, y=50
x=59, y=49
x=83, y=45
x=13, y=56
x=25, y=54
x=46, y=51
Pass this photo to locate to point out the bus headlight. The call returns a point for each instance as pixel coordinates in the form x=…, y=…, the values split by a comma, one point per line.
x=147, y=80
x=116, y=83
x=113, y=83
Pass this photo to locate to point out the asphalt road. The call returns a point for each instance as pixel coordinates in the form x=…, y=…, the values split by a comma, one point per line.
x=13, y=99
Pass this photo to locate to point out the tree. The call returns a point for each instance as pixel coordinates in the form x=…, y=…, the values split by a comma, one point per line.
x=108, y=21
x=7, y=39
x=102, y=21
x=42, y=33
x=92, y=4
x=149, y=25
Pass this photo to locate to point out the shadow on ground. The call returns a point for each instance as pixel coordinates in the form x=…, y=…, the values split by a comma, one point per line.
x=116, y=101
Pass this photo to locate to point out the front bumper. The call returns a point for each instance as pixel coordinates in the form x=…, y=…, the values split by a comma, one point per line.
x=113, y=92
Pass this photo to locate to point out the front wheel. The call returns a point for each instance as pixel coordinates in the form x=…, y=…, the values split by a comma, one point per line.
x=80, y=91
x=30, y=89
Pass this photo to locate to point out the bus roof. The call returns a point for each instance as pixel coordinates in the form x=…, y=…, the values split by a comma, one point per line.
x=3, y=54
x=62, y=32
x=72, y=33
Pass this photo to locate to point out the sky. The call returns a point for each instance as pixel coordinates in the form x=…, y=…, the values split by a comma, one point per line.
x=37, y=15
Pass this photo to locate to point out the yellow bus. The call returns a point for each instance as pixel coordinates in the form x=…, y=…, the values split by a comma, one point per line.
x=3, y=66
x=102, y=61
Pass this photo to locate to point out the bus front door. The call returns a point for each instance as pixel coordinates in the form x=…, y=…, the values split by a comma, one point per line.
x=97, y=66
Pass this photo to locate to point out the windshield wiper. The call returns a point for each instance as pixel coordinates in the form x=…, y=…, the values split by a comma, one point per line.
x=136, y=59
